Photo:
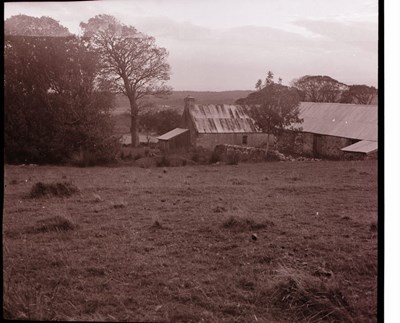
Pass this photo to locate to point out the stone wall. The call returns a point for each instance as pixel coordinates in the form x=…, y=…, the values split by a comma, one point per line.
x=225, y=153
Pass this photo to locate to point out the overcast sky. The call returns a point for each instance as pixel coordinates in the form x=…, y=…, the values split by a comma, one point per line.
x=220, y=45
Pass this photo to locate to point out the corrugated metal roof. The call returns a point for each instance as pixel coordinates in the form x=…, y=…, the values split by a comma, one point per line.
x=172, y=134
x=354, y=121
x=364, y=146
x=222, y=118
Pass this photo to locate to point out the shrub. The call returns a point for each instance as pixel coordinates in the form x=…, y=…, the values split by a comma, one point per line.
x=138, y=156
x=164, y=162
x=233, y=158
x=201, y=155
x=215, y=157
x=52, y=189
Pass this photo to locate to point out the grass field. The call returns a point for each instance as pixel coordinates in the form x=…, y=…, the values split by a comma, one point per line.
x=266, y=242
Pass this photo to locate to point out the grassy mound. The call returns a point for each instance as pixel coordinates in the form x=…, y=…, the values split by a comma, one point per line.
x=244, y=224
x=52, y=189
x=309, y=299
x=56, y=223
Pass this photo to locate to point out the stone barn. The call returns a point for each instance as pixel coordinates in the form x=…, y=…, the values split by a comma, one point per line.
x=214, y=124
x=334, y=130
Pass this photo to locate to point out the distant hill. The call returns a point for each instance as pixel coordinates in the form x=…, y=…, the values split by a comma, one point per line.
x=175, y=100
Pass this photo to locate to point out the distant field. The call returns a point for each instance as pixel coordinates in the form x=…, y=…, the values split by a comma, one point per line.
x=266, y=242
x=175, y=100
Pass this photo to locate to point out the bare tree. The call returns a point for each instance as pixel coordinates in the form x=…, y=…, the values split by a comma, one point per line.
x=132, y=63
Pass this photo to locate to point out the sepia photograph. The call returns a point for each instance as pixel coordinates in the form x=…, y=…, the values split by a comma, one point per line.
x=191, y=161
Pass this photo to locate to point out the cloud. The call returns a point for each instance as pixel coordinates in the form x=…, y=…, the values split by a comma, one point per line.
x=363, y=35
x=234, y=58
x=163, y=27
x=220, y=47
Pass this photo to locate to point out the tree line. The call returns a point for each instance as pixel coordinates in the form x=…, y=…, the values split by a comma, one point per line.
x=59, y=87
x=318, y=88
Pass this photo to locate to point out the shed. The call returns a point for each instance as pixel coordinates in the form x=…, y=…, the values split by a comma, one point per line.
x=175, y=139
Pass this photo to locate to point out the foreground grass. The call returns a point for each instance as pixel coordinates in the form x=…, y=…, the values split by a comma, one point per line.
x=268, y=242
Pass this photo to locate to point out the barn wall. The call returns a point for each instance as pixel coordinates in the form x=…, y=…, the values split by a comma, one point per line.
x=210, y=140
x=330, y=146
x=312, y=145
x=298, y=143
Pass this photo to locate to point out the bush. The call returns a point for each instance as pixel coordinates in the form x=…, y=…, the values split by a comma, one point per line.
x=43, y=126
x=201, y=155
x=215, y=158
x=233, y=158
x=164, y=162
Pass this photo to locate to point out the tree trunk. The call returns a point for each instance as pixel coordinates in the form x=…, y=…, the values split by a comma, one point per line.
x=134, y=123
x=267, y=147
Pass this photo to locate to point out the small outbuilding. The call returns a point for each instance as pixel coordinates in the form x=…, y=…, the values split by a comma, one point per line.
x=177, y=139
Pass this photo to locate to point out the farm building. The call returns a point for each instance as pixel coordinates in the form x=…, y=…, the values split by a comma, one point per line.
x=211, y=125
x=329, y=130
x=174, y=140
x=334, y=130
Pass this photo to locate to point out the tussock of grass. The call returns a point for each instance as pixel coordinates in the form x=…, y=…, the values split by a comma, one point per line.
x=156, y=225
x=119, y=204
x=219, y=209
x=237, y=181
x=56, y=223
x=52, y=189
x=23, y=301
x=373, y=227
x=294, y=176
x=308, y=298
x=244, y=224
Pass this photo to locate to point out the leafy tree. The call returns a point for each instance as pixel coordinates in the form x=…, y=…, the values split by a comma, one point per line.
x=259, y=85
x=52, y=108
x=317, y=88
x=23, y=25
x=274, y=107
x=160, y=121
x=131, y=62
x=359, y=94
